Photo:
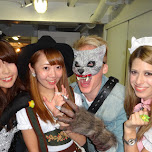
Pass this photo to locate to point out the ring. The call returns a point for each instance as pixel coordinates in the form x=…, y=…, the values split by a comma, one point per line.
x=145, y=118
x=65, y=97
x=58, y=107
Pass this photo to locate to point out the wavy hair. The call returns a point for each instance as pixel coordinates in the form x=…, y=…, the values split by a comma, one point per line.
x=131, y=100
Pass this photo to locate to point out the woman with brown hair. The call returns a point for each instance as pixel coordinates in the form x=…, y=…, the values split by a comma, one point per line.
x=10, y=87
x=138, y=128
x=48, y=63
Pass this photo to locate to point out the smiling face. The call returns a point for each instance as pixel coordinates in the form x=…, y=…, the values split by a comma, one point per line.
x=8, y=75
x=141, y=78
x=47, y=75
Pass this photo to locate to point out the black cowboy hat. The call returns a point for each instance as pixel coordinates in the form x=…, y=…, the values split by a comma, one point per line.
x=44, y=42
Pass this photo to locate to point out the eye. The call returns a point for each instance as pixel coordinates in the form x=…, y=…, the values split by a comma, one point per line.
x=59, y=67
x=77, y=64
x=91, y=64
x=148, y=74
x=133, y=72
x=45, y=68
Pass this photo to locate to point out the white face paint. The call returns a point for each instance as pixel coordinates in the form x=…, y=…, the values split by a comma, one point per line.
x=88, y=63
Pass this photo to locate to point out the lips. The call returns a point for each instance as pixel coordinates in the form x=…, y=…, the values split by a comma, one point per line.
x=8, y=79
x=140, y=89
x=52, y=82
x=83, y=77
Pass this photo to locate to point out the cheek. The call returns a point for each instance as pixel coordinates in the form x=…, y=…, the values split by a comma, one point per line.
x=41, y=75
x=14, y=70
x=132, y=79
x=149, y=81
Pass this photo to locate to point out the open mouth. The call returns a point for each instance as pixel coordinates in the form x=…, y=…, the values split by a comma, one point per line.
x=84, y=77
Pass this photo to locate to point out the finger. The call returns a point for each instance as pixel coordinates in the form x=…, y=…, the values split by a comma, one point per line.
x=71, y=104
x=65, y=128
x=66, y=111
x=65, y=120
x=45, y=100
x=145, y=111
x=56, y=89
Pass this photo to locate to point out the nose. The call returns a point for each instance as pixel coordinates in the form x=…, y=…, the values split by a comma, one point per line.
x=140, y=79
x=52, y=72
x=80, y=71
x=5, y=69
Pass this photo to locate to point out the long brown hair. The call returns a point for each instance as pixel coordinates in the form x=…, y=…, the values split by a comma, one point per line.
x=8, y=54
x=54, y=57
x=145, y=54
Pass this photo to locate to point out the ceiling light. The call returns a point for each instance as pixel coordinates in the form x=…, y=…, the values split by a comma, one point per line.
x=15, y=38
x=40, y=5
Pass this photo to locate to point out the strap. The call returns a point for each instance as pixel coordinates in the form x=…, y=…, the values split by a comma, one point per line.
x=102, y=95
x=36, y=126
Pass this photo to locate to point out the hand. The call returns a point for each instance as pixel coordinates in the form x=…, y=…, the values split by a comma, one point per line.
x=83, y=122
x=57, y=100
x=135, y=121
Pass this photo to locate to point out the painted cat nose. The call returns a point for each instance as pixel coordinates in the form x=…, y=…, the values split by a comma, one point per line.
x=81, y=71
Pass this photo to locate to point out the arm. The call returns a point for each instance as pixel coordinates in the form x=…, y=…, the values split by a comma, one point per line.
x=80, y=139
x=85, y=123
x=30, y=140
x=19, y=102
x=130, y=129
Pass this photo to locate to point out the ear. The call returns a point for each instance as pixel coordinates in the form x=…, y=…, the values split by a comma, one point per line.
x=105, y=68
x=31, y=69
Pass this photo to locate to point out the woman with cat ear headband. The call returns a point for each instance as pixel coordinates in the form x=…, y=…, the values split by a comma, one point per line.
x=138, y=128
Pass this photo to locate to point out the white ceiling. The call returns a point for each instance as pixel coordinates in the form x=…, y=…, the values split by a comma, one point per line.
x=16, y=19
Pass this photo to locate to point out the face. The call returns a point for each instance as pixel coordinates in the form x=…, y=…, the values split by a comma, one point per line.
x=47, y=75
x=8, y=75
x=141, y=79
x=92, y=84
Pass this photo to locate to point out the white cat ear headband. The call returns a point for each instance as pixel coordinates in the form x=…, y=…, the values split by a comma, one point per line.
x=135, y=43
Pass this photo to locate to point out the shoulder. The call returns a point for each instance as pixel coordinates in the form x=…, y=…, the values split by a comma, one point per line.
x=23, y=122
x=118, y=92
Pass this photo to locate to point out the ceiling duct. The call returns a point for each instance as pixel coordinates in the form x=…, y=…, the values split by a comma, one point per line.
x=103, y=6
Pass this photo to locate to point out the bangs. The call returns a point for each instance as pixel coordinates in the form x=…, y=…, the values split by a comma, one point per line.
x=7, y=52
x=54, y=57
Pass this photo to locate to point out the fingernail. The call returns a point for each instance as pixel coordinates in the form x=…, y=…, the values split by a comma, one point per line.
x=64, y=97
x=58, y=107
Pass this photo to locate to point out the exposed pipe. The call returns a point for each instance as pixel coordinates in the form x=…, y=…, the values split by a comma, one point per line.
x=99, y=12
x=103, y=7
x=71, y=3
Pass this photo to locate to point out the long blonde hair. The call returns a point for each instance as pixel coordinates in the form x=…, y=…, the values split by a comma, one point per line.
x=54, y=57
x=145, y=54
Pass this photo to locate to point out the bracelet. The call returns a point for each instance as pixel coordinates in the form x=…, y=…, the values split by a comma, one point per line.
x=130, y=142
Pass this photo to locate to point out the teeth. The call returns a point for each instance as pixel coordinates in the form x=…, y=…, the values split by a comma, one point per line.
x=51, y=81
x=87, y=78
x=7, y=79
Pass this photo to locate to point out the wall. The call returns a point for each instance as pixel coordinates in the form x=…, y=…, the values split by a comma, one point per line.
x=134, y=20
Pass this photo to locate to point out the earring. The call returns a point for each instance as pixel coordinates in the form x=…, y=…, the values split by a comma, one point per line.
x=33, y=74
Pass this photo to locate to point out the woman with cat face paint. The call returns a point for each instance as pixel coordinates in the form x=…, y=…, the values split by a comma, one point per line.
x=138, y=128
x=49, y=64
